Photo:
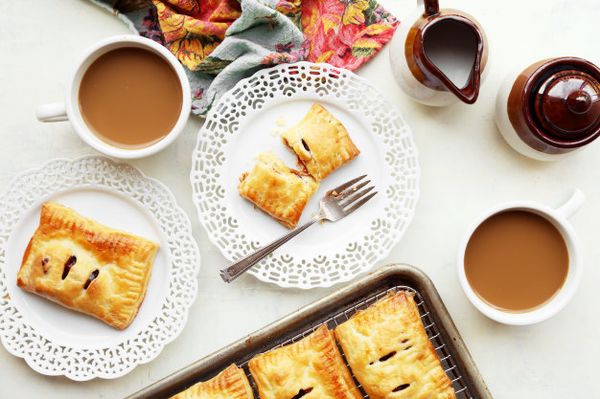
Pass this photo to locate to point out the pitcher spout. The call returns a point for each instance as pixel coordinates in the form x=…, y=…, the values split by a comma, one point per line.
x=452, y=53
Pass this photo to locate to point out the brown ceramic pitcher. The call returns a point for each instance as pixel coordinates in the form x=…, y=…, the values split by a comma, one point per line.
x=440, y=58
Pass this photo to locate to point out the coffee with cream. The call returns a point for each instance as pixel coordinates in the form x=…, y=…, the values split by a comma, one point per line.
x=130, y=97
x=516, y=261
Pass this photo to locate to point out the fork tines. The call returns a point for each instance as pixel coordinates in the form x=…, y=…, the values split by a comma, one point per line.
x=339, y=189
x=348, y=196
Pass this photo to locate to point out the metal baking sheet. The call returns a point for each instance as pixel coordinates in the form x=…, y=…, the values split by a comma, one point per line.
x=333, y=310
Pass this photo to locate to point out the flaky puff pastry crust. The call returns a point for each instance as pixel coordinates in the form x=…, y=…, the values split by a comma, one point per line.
x=312, y=367
x=230, y=383
x=390, y=354
x=277, y=190
x=321, y=142
x=86, y=266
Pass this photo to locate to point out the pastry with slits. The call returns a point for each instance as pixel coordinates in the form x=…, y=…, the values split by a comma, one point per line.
x=86, y=266
x=390, y=354
x=321, y=142
x=277, y=190
x=230, y=383
x=311, y=368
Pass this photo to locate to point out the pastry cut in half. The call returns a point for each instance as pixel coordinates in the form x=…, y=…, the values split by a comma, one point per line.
x=390, y=354
x=276, y=189
x=311, y=368
x=86, y=266
x=230, y=383
x=321, y=142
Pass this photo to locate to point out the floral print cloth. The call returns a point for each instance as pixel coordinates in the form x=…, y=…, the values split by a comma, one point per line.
x=222, y=41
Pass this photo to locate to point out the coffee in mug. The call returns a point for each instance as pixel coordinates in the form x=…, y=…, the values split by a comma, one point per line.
x=516, y=261
x=130, y=97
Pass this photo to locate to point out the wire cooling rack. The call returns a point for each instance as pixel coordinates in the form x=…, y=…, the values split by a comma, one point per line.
x=450, y=366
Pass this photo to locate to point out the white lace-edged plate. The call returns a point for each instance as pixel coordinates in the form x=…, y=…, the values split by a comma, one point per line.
x=249, y=119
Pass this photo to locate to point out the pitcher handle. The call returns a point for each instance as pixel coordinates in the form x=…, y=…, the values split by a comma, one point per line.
x=432, y=7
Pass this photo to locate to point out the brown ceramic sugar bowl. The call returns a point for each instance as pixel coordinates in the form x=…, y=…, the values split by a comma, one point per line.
x=526, y=280
x=551, y=108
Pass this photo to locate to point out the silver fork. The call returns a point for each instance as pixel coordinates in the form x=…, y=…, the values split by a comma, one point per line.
x=335, y=205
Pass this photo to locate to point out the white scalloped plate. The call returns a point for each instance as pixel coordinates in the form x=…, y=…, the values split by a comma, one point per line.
x=54, y=340
x=246, y=122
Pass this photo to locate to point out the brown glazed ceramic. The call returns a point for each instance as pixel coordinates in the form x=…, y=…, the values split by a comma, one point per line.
x=422, y=67
x=554, y=104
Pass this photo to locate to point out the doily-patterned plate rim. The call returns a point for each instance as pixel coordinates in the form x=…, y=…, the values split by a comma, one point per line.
x=191, y=293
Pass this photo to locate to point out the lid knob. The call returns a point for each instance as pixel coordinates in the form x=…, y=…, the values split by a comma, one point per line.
x=579, y=102
x=567, y=103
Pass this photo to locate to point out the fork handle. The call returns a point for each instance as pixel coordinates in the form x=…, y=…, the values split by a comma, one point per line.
x=238, y=268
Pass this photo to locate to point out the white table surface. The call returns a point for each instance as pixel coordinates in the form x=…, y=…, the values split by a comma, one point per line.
x=466, y=168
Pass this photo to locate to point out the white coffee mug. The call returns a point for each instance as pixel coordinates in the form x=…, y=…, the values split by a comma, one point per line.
x=69, y=109
x=559, y=218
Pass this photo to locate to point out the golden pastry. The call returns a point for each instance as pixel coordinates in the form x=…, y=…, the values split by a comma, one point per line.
x=86, y=266
x=311, y=368
x=390, y=354
x=230, y=383
x=277, y=190
x=321, y=142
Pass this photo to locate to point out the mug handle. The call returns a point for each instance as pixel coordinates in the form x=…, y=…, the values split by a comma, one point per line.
x=572, y=205
x=53, y=112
